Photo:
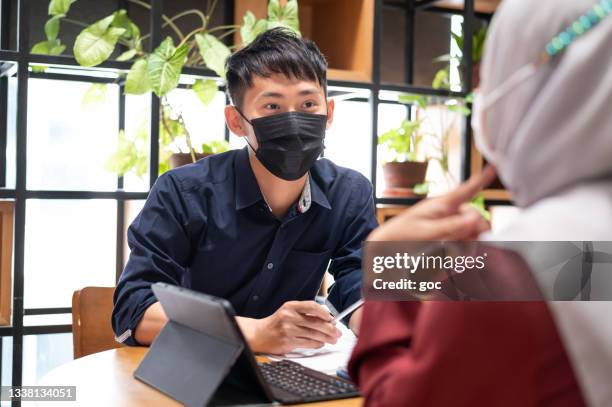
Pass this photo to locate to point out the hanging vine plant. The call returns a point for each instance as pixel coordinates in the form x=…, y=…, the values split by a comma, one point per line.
x=159, y=71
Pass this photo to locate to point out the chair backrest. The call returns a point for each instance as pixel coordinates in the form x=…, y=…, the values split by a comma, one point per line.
x=91, y=321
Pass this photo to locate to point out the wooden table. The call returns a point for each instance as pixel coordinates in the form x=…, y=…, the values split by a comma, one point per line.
x=105, y=379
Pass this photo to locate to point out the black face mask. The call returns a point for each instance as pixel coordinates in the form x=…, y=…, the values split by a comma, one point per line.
x=289, y=143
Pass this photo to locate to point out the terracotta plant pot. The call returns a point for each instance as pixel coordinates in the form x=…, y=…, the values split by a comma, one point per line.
x=475, y=74
x=180, y=159
x=404, y=174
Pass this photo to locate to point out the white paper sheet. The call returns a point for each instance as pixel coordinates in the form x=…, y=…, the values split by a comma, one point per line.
x=328, y=358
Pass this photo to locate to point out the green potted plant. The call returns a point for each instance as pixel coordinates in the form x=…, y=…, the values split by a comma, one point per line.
x=435, y=120
x=403, y=171
x=442, y=77
x=159, y=71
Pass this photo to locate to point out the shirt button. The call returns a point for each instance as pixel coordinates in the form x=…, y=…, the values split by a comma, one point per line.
x=255, y=297
x=270, y=266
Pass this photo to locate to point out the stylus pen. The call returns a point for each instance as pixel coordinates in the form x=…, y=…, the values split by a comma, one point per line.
x=348, y=310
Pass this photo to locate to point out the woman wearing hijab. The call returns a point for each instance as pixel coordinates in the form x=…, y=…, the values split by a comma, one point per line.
x=543, y=118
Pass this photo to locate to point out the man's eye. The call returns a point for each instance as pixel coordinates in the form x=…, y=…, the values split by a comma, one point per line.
x=309, y=104
x=272, y=106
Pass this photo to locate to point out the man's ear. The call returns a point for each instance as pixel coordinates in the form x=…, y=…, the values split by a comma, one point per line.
x=234, y=121
x=330, y=112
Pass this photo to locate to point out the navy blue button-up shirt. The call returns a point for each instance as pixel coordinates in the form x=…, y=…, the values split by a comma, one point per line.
x=206, y=226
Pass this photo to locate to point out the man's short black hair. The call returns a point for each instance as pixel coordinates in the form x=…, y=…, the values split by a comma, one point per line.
x=279, y=51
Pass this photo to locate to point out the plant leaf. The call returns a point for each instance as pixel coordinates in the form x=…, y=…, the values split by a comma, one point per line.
x=251, y=28
x=274, y=10
x=421, y=189
x=164, y=66
x=52, y=27
x=59, y=7
x=96, y=93
x=215, y=147
x=137, y=81
x=38, y=68
x=459, y=108
x=121, y=20
x=412, y=99
x=124, y=158
x=478, y=203
x=96, y=43
x=56, y=48
x=441, y=80
x=48, y=48
x=205, y=90
x=40, y=48
x=127, y=55
x=287, y=16
x=214, y=52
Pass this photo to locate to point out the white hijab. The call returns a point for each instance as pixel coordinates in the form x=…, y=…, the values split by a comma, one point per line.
x=550, y=138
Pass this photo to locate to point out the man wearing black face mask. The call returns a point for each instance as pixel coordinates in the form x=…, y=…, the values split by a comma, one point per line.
x=257, y=226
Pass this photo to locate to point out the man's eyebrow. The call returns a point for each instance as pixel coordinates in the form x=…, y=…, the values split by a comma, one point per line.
x=271, y=95
x=304, y=92
x=309, y=91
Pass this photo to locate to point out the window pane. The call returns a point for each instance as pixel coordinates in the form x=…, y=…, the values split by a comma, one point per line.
x=11, y=135
x=69, y=244
x=348, y=141
x=7, y=360
x=49, y=319
x=132, y=209
x=204, y=123
x=71, y=135
x=137, y=131
x=42, y=353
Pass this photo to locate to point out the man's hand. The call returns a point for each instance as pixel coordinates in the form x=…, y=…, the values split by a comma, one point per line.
x=296, y=324
x=447, y=217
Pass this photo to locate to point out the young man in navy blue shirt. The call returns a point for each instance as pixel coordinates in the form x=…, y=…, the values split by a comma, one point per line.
x=257, y=226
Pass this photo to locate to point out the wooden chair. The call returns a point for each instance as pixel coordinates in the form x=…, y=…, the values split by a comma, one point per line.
x=91, y=321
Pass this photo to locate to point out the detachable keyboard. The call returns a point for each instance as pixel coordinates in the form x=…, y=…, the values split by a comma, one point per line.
x=293, y=383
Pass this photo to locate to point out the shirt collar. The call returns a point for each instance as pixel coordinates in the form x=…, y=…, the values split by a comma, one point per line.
x=317, y=194
x=248, y=192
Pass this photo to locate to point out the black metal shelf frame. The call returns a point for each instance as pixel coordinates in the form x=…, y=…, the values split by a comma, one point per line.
x=22, y=58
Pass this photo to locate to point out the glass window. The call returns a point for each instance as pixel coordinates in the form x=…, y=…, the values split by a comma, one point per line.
x=42, y=353
x=72, y=129
x=204, y=123
x=11, y=130
x=132, y=209
x=7, y=361
x=49, y=319
x=69, y=244
x=137, y=133
x=348, y=141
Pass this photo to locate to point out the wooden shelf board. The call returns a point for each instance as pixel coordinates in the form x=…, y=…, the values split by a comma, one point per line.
x=348, y=75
